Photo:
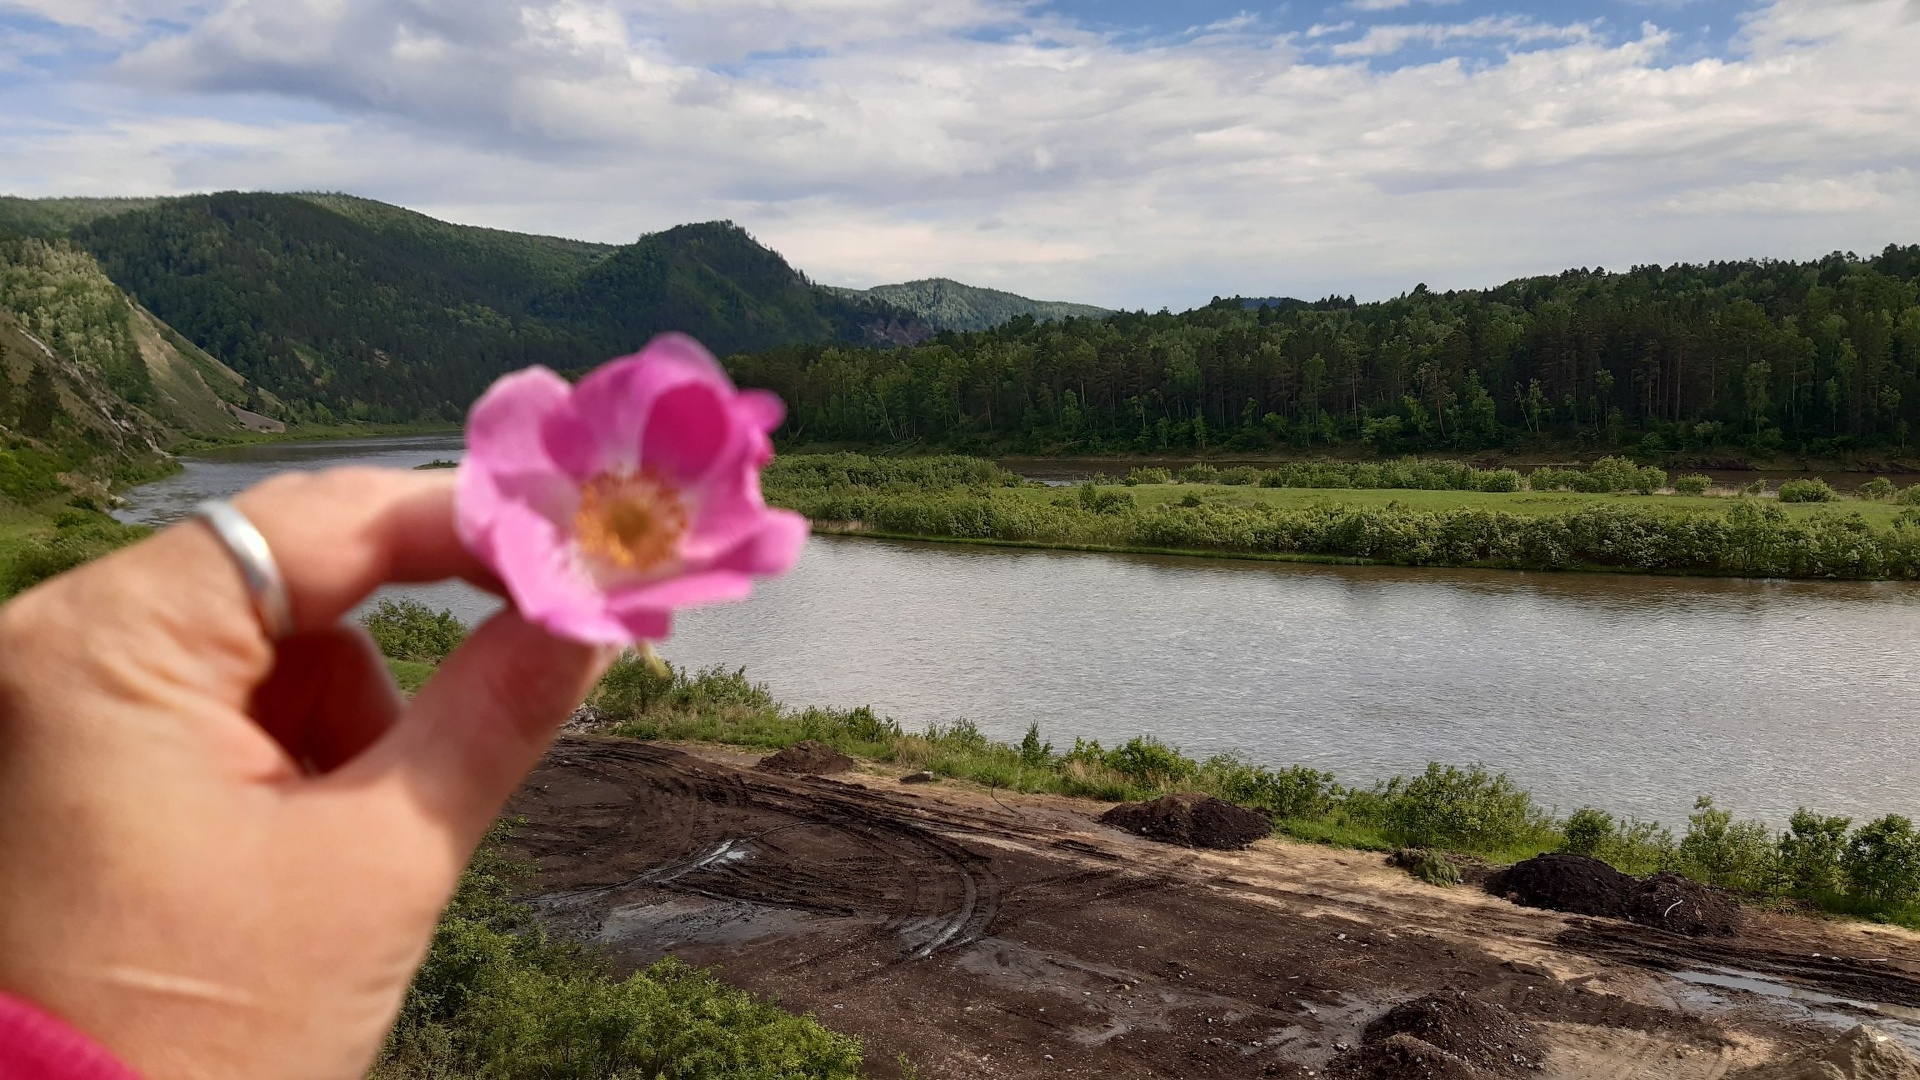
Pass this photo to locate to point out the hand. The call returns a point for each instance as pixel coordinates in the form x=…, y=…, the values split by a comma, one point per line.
x=223, y=859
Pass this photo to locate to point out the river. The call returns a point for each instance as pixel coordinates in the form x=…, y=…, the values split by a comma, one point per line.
x=1630, y=693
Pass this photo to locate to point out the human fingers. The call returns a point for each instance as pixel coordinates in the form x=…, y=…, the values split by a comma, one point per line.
x=338, y=535
x=327, y=698
x=479, y=725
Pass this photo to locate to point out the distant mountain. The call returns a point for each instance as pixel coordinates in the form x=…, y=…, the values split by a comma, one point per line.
x=949, y=305
x=339, y=308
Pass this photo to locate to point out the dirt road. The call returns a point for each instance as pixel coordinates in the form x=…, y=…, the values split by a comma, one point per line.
x=1001, y=935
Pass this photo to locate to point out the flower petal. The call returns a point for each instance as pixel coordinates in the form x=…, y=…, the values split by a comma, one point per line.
x=532, y=557
x=688, y=432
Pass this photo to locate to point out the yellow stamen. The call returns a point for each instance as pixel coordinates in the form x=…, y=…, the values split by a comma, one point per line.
x=630, y=523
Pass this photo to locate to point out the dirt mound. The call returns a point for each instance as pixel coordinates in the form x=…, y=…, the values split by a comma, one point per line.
x=1671, y=902
x=1192, y=819
x=1860, y=1054
x=809, y=758
x=1483, y=1035
x=1587, y=886
x=1398, y=1057
x=1572, y=883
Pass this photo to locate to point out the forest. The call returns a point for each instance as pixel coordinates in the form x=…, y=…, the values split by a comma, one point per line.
x=1758, y=357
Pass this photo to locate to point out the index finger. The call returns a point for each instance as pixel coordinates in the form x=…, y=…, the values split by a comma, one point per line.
x=340, y=534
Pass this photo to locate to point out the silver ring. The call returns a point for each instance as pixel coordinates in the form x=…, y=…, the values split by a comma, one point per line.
x=255, y=560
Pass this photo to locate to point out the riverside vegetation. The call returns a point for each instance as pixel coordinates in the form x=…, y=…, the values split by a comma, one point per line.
x=1615, y=515
x=1824, y=863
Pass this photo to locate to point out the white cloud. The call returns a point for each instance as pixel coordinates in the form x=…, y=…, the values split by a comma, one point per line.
x=1513, y=29
x=877, y=140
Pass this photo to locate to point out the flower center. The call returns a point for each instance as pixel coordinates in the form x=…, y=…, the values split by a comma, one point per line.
x=629, y=522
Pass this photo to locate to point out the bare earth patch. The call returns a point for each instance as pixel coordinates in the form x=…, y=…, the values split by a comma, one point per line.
x=989, y=934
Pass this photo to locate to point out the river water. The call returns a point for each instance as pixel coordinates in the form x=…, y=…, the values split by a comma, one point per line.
x=1631, y=693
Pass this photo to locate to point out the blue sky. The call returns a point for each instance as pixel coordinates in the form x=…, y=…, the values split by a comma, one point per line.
x=1111, y=151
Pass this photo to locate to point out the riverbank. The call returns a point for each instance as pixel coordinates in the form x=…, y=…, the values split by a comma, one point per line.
x=1613, y=517
x=961, y=931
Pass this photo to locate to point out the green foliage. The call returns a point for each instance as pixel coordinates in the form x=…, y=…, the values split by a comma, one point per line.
x=1812, y=853
x=1098, y=500
x=1694, y=484
x=1721, y=851
x=1609, y=475
x=1908, y=496
x=60, y=295
x=498, y=998
x=1878, y=489
x=1295, y=792
x=949, y=305
x=1882, y=862
x=1156, y=475
x=1745, y=538
x=407, y=629
x=1199, y=473
x=1807, y=491
x=78, y=537
x=1033, y=752
x=1150, y=763
x=1434, y=869
x=1461, y=810
x=1586, y=830
x=1410, y=473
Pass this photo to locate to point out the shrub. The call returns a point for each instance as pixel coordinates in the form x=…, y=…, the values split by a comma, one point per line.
x=1882, y=861
x=1696, y=484
x=1879, y=489
x=1033, y=752
x=1587, y=830
x=1152, y=475
x=1459, y=809
x=1434, y=869
x=1811, y=853
x=1151, y=763
x=638, y=684
x=1909, y=496
x=407, y=629
x=1242, y=476
x=1755, y=489
x=1201, y=473
x=1721, y=851
x=1295, y=792
x=1098, y=500
x=1807, y=491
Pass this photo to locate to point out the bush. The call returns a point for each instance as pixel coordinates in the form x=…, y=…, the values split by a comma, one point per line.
x=496, y=998
x=1242, y=476
x=1811, y=854
x=1878, y=489
x=1150, y=763
x=1587, y=830
x=1755, y=489
x=1148, y=476
x=1201, y=473
x=638, y=684
x=1609, y=475
x=407, y=629
x=1459, y=809
x=1909, y=496
x=1695, y=484
x=1882, y=861
x=1098, y=500
x=1296, y=792
x=1807, y=491
x=1721, y=851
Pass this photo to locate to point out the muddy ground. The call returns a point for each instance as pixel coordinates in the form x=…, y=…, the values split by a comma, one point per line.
x=985, y=934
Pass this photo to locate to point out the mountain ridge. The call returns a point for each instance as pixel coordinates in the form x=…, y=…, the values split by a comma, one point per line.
x=947, y=304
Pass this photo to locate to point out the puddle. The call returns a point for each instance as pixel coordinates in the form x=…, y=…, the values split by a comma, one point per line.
x=1898, y=1021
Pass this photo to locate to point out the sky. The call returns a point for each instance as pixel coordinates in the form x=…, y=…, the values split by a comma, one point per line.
x=1129, y=153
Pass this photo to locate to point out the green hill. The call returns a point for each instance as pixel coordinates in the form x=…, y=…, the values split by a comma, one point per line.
x=349, y=309
x=949, y=305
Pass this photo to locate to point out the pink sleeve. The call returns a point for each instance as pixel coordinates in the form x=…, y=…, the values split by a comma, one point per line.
x=37, y=1045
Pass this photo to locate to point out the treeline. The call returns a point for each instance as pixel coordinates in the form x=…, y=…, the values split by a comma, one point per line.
x=1818, y=357
x=1750, y=537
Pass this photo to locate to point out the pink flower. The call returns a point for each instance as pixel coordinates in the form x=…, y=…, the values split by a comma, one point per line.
x=606, y=506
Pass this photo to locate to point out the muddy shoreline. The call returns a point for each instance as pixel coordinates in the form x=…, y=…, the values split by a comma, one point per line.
x=993, y=934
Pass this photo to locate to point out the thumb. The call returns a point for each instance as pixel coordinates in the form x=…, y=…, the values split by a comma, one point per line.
x=480, y=724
